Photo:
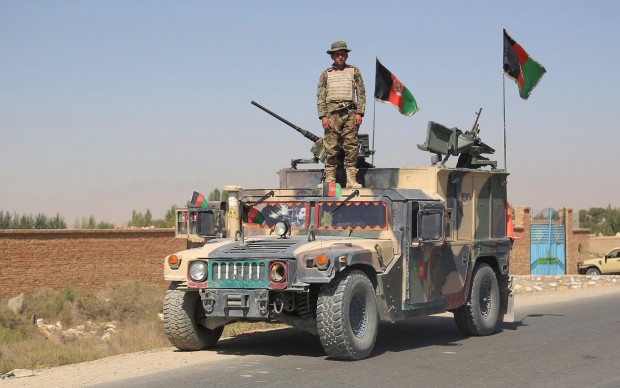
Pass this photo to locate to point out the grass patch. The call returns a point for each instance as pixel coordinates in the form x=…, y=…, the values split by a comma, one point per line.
x=127, y=316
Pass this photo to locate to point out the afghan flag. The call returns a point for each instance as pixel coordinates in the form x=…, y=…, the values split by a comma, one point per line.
x=252, y=215
x=198, y=200
x=519, y=66
x=388, y=89
x=332, y=189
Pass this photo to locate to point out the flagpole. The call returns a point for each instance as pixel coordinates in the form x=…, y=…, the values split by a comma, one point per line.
x=374, y=110
x=504, y=105
x=374, y=105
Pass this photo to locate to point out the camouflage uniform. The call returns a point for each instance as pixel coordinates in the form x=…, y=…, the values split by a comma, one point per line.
x=340, y=97
x=341, y=116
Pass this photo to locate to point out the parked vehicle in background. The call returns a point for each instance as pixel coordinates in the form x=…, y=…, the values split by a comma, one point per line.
x=606, y=265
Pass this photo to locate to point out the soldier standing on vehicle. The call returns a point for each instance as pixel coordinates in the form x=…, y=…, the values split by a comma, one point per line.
x=341, y=101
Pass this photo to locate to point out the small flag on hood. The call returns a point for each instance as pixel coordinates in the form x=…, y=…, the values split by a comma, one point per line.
x=252, y=215
x=332, y=189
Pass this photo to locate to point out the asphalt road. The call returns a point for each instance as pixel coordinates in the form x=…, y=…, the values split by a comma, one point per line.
x=564, y=344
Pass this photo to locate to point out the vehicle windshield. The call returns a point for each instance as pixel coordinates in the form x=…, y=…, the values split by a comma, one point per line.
x=370, y=215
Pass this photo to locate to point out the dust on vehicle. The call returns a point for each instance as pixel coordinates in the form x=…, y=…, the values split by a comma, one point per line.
x=334, y=261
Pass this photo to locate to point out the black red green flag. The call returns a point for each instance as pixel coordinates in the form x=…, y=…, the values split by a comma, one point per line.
x=252, y=215
x=198, y=199
x=522, y=68
x=388, y=89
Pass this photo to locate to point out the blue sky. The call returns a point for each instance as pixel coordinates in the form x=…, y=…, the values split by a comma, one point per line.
x=111, y=106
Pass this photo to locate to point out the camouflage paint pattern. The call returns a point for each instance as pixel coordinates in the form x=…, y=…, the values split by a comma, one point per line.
x=342, y=130
x=412, y=278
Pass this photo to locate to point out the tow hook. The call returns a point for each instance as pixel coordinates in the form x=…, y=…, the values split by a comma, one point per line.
x=208, y=299
x=262, y=298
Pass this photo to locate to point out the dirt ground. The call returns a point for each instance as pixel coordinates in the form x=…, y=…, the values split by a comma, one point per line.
x=143, y=363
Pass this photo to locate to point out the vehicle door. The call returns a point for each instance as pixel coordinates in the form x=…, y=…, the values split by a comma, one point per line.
x=426, y=247
x=612, y=264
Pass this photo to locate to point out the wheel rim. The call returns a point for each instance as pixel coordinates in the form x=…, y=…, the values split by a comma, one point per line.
x=484, y=299
x=357, y=315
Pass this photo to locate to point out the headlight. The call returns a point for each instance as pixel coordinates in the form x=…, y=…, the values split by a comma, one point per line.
x=281, y=228
x=198, y=271
x=277, y=272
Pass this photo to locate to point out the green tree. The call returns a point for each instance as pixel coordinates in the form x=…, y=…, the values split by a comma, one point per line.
x=171, y=217
x=217, y=195
x=139, y=220
x=601, y=221
x=90, y=223
x=214, y=195
x=28, y=221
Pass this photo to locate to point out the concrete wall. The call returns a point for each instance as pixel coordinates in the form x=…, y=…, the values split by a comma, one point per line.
x=87, y=259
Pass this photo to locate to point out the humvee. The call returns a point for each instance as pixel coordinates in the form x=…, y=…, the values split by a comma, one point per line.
x=335, y=261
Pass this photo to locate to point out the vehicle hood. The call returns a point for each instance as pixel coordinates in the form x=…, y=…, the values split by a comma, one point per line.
x=277, y=247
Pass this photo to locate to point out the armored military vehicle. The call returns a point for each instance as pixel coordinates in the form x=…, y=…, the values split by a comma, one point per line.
x=334, y=261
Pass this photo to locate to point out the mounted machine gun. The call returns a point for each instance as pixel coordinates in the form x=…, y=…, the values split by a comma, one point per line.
x=444, y=142
x=318, y=149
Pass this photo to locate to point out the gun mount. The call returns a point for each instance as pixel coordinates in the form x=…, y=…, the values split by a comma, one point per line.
x=318, y=149
x=444, y=142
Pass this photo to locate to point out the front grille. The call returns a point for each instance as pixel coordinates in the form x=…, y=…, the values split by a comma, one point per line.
x=238, y=274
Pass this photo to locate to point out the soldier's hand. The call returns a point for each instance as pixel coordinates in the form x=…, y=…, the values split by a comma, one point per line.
x=358, y=120
x=325, y=123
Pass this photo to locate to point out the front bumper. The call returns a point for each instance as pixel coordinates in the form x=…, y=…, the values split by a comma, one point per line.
x=235, y=303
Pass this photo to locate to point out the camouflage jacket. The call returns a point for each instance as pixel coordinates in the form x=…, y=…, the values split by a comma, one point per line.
x=324, y=107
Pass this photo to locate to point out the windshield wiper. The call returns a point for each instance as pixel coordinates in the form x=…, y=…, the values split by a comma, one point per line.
x=355, y=193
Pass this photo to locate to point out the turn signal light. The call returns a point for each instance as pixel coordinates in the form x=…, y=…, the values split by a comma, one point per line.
x=321, y=260
x=174, y=262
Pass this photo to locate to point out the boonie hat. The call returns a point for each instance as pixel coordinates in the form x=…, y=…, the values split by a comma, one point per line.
x=338, y=45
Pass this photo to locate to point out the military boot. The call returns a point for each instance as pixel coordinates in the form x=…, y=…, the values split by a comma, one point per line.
x=330, y=176
x=351, y=181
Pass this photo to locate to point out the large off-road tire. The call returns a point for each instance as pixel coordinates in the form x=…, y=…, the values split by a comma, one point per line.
x=480, y=314
x=182, y=312
x=346, y=316
x=593, y=271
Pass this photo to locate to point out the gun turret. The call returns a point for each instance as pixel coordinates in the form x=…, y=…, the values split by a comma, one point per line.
x=318, y=149
x=445, y=141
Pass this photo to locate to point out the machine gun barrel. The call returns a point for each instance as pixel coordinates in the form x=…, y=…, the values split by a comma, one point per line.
x=475, y=128
x=307, y=134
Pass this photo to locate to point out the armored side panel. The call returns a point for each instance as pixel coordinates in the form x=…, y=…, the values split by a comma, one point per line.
x=423, y=178
x=477, y=200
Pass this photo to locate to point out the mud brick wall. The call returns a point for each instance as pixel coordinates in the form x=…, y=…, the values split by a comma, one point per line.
x=520, y=254
x=85, y=259
x=577, y=244
x=601, y=245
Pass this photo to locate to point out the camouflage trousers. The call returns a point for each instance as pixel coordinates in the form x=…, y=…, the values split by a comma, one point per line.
x=343, y=131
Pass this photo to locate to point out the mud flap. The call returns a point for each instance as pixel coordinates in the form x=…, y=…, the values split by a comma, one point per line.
x=506, y=303
x=507, y=308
